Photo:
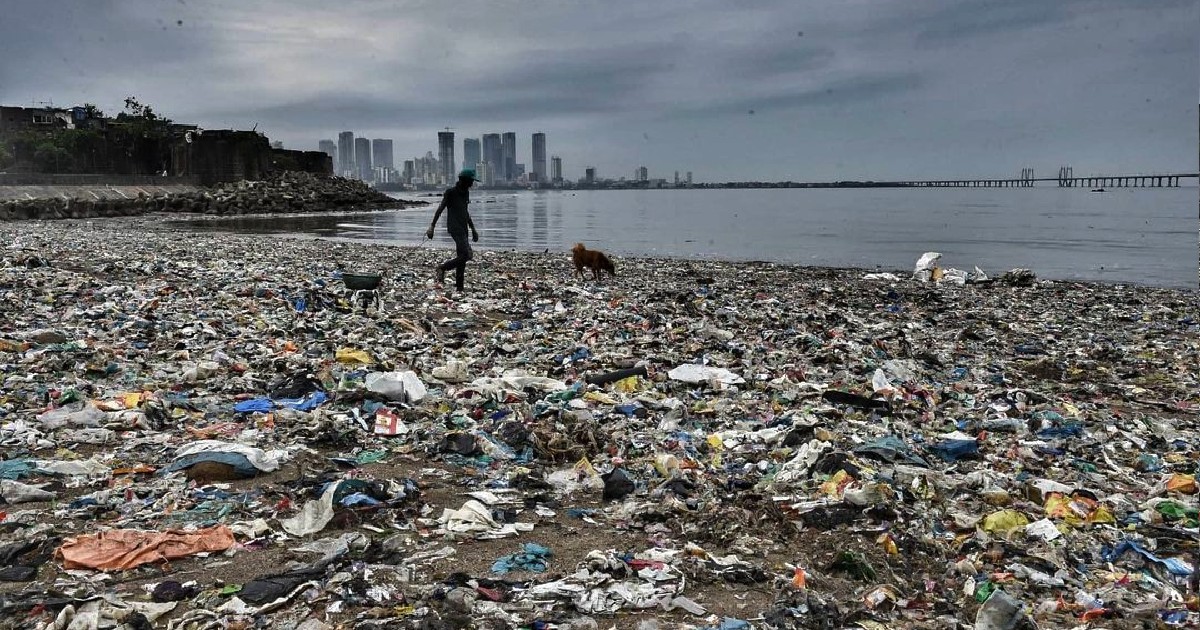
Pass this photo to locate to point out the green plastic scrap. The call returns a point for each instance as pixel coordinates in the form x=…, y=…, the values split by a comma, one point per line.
x=371, y=457
x=69, y=397
x=983, y=591
x=853, y=564
x=563, y=396
x=1173, y=511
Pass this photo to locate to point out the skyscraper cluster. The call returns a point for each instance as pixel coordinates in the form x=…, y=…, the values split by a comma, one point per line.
x=493, y=156
x=361, y=158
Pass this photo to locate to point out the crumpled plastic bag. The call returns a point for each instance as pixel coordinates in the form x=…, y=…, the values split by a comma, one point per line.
x=519, y=380
x=17, y=492
x=532, y=557
x=593, y=590
x=399, y=386
x=73, y=415
x=999, y=612
x=16, y=468
x=352, y=356
x=124, y=549
x=107, y=612
x=1004, y=522
x=695, y=374
x=314, y=516
x=923, y=270
x=476, y=518
x=201, y=371
x=880, y=384
x=472, y=517
x=205, y=450
x=1044, y=529
x=1175, y=566
x=73, y=468
x=452, y=372
x=796, y=468
x=308, y=402
x=333, y=548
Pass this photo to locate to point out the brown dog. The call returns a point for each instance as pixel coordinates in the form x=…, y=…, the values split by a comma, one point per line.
x=593, y=259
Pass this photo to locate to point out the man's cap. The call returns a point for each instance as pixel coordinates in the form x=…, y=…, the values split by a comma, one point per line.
x=468, y=173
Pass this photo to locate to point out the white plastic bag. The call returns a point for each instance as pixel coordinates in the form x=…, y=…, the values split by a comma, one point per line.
x=17, y=492
x=693, y=373
x=923, y=270
x=313, y=517
x=399, y=386
x=452, y=372
x=76, y=415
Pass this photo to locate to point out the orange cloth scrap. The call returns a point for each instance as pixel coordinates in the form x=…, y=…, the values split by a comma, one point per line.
x=123, y=549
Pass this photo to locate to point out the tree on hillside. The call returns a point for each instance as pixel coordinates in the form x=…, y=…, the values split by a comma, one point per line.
x=143, y=135
x=92, y=111
x=136, y=109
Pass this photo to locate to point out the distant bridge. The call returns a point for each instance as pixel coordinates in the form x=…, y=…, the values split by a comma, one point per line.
x=1027, y=179
x=1065, y=179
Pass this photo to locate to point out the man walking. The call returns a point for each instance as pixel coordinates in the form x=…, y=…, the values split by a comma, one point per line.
x=454, y=202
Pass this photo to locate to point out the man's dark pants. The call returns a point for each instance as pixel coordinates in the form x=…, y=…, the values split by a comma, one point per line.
x=462, y=247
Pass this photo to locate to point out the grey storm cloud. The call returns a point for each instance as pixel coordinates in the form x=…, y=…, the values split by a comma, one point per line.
x=838, y=93
x=729, y=89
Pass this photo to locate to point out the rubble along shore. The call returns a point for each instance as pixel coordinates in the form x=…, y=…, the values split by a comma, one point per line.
x=285, y=193
x=800, y=447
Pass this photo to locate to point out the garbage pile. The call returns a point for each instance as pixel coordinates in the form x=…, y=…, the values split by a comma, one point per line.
x=286, y=192
x=202, y=432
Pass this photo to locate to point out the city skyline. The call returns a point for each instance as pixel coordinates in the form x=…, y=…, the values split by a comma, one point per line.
x=770, y=90
x=492, y=155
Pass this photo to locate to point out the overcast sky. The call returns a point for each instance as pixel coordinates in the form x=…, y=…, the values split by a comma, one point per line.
x=787, y=89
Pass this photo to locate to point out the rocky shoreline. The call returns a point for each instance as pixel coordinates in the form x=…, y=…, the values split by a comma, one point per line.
x=693, y=445
x=289, y=192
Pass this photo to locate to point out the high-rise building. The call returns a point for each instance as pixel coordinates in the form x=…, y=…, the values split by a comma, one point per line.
x=676, y=178
x=346, y=154
x=485, y=172
x=328, y=147
x=539, y=157
x=446, y=156
x=689, y=178
x=381, y=154
x=493, y=154
x=642, y=174
x=589, y=174
x=509, y=162
x=429, y=171
x=410, y=171
x=471, y=154
x=556, y=169
x=362, y=158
